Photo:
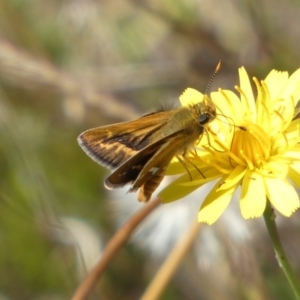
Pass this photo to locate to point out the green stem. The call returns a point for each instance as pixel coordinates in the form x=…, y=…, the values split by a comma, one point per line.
x=283, y=262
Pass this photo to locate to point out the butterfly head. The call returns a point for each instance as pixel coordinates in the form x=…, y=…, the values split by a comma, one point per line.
x=206, y=112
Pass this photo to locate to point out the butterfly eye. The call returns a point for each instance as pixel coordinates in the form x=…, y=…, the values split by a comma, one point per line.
x=204, y=118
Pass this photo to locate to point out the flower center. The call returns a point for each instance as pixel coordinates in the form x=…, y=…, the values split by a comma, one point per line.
x=252, y=145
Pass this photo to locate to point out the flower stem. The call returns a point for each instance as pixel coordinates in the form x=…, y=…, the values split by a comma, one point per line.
x=281, y=257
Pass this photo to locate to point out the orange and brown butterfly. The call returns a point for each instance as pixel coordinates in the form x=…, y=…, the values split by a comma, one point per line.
x=140, y=151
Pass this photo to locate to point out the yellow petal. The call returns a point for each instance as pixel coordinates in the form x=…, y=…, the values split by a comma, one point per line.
x=191, y=96
x=170, y=193
x=201, y=181
x=183, y=185
x=247, y=98
x=285, y=110
x=175, y=167
x=282, y=195
x=293, y=137
x=292, y=87
x=275, y=82
x=215, y=203
x=294, y=125
x=178, y=167
x=263, y=105
x=253, y=196
x=294, y=175
x=293, y=155
x=233, y=178
x=228, y=104
x=175, y=190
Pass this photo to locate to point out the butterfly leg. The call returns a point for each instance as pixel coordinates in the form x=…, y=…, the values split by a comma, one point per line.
x=190, y=162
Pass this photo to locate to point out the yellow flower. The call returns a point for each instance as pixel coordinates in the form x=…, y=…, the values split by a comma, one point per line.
x=253, y=143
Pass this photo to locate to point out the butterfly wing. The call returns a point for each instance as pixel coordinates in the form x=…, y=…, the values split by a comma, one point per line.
x=147, y=168
x=112, y=145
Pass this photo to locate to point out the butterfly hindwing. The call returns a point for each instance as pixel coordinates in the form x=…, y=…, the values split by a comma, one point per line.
x=131, y=168
x=146, y=169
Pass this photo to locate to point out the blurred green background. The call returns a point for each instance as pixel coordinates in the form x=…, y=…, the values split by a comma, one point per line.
x=70, y=65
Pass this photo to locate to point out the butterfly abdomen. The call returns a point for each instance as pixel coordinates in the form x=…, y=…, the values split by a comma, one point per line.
x=147, y=189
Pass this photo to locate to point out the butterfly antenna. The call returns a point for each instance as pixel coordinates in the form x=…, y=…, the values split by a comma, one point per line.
x=235, y=126
x=218, y=67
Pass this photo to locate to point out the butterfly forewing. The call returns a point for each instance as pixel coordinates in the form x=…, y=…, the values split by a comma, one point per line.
x=112, y=145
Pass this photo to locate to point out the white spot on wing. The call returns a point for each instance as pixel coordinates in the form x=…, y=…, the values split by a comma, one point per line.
x=153, y=170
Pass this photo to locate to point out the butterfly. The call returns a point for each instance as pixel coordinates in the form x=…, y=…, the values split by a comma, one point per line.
x=138, y=152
